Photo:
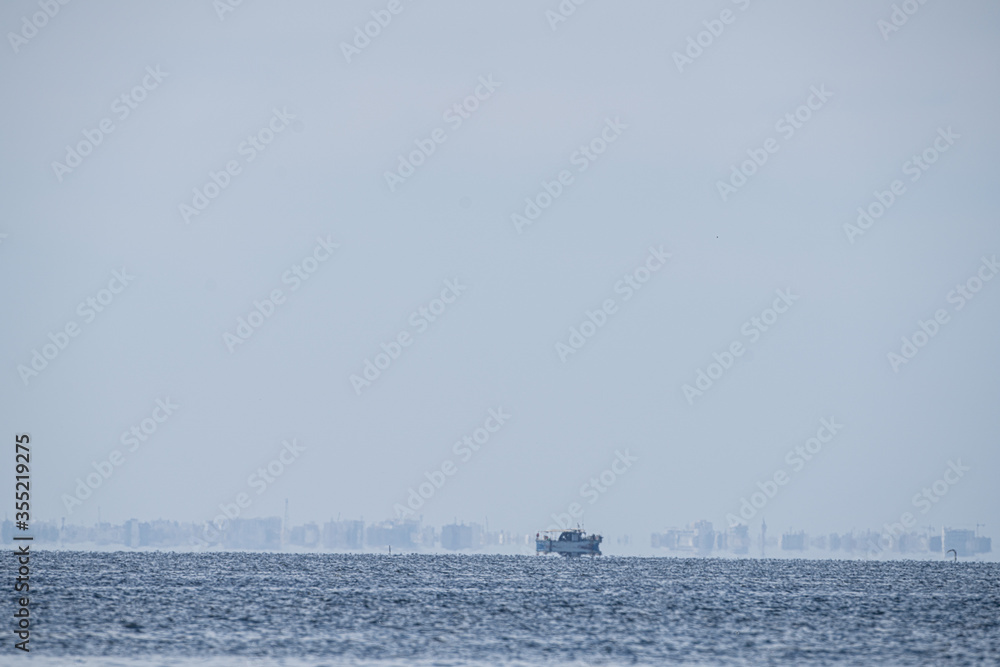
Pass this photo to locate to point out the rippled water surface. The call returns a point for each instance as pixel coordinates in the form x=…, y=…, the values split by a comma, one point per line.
x=257, y=609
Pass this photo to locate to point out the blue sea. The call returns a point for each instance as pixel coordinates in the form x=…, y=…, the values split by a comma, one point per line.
x=250, y=609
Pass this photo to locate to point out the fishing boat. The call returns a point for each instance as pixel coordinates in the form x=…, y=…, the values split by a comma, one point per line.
x=568, y=542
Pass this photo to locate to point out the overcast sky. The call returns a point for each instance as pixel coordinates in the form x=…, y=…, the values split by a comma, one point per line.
x=663, y=121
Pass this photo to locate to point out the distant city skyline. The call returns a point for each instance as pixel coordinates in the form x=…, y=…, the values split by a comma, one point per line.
x=699, y=538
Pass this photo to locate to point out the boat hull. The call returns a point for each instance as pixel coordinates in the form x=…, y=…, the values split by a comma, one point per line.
x=585, y=547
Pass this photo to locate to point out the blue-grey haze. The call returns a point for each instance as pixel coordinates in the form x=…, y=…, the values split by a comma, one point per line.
x=551, y=91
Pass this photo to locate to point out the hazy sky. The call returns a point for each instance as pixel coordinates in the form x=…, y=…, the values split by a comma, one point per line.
x=309, y=127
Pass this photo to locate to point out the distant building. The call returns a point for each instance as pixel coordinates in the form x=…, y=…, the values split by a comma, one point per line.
x=427, y=537
x=257, y=534
x=910, y=543
x=721, y=541
x=304, y=536
x=312, y=535
x=958, y=539
x=664, y=540
x=161, y=533
x=344, y=534
x=41, y=531
x=460, y=536
x=739, y=539
x=398, y=533
x=674, y=539
x=45, y=531
x=793, y=541
x=131, y=533
x=704, y=536
x=965, y=542
x=697, y=537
